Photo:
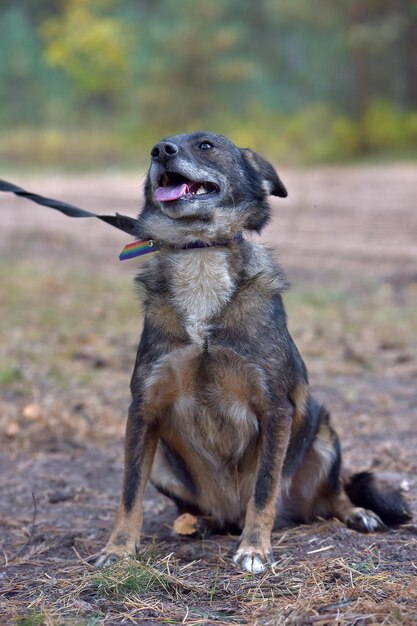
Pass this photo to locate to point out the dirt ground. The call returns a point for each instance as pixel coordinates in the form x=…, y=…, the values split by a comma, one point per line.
x=69, y=327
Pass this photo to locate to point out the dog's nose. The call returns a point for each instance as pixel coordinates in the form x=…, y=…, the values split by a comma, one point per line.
x=164, y=150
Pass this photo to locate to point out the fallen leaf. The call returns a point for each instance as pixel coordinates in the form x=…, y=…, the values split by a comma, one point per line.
x=32, y=411
x=186, y=524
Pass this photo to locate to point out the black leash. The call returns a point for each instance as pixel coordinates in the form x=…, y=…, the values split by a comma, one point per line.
x=122, y=222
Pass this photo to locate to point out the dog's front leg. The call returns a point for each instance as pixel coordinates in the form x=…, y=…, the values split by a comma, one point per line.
x=254, y=551
x=140, y=445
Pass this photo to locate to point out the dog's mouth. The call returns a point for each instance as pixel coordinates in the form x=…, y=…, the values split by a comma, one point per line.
x=173, y=186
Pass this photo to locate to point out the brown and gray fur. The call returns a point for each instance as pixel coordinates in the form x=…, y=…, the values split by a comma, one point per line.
x=222, y=419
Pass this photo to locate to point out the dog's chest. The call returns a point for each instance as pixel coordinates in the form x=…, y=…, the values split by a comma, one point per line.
x=201, y=286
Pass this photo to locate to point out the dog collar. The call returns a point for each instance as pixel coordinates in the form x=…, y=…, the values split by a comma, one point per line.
x=145, y=246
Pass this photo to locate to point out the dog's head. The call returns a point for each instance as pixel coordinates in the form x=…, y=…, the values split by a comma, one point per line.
x=201, y=186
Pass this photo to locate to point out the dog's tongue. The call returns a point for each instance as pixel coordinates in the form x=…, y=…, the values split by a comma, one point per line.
x=170, y=193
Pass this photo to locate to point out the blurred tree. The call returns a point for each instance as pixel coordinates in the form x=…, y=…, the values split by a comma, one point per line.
x=92, y=47
x=409, y=13
x=39, y=10
x=194, y=62
x=28, y=88
x=290, y=73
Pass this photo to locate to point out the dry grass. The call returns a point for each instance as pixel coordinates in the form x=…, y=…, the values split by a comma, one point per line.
x=316, y=580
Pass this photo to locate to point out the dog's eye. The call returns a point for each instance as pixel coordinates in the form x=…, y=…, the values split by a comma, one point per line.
x=205, y=145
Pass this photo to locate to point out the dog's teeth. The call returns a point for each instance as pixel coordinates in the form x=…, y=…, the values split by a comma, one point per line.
x=201, y=190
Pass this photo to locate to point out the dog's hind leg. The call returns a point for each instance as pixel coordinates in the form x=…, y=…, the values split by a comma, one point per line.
x=317, y=489
x=366, y=504
x=365, y=489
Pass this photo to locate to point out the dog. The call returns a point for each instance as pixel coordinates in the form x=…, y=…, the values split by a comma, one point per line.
x=222, y=419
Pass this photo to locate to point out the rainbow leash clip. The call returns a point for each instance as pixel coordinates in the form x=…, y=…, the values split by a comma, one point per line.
x=138, y=248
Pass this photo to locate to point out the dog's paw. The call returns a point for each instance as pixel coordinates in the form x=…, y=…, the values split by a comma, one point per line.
x=111, y=554
x=107, y=559
x=365, y=521
x=252, y=560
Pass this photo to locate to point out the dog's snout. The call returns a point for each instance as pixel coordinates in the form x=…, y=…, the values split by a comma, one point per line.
x=164, y=150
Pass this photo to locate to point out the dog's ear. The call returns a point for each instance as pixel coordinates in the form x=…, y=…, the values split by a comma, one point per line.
x=272, y=183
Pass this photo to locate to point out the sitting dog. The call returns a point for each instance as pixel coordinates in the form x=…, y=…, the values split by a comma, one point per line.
x=222, y=419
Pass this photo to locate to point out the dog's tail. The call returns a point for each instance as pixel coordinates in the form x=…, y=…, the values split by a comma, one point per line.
x=366, y=490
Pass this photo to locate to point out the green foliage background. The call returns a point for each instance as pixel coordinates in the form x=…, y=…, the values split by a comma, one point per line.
x=96, y=82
